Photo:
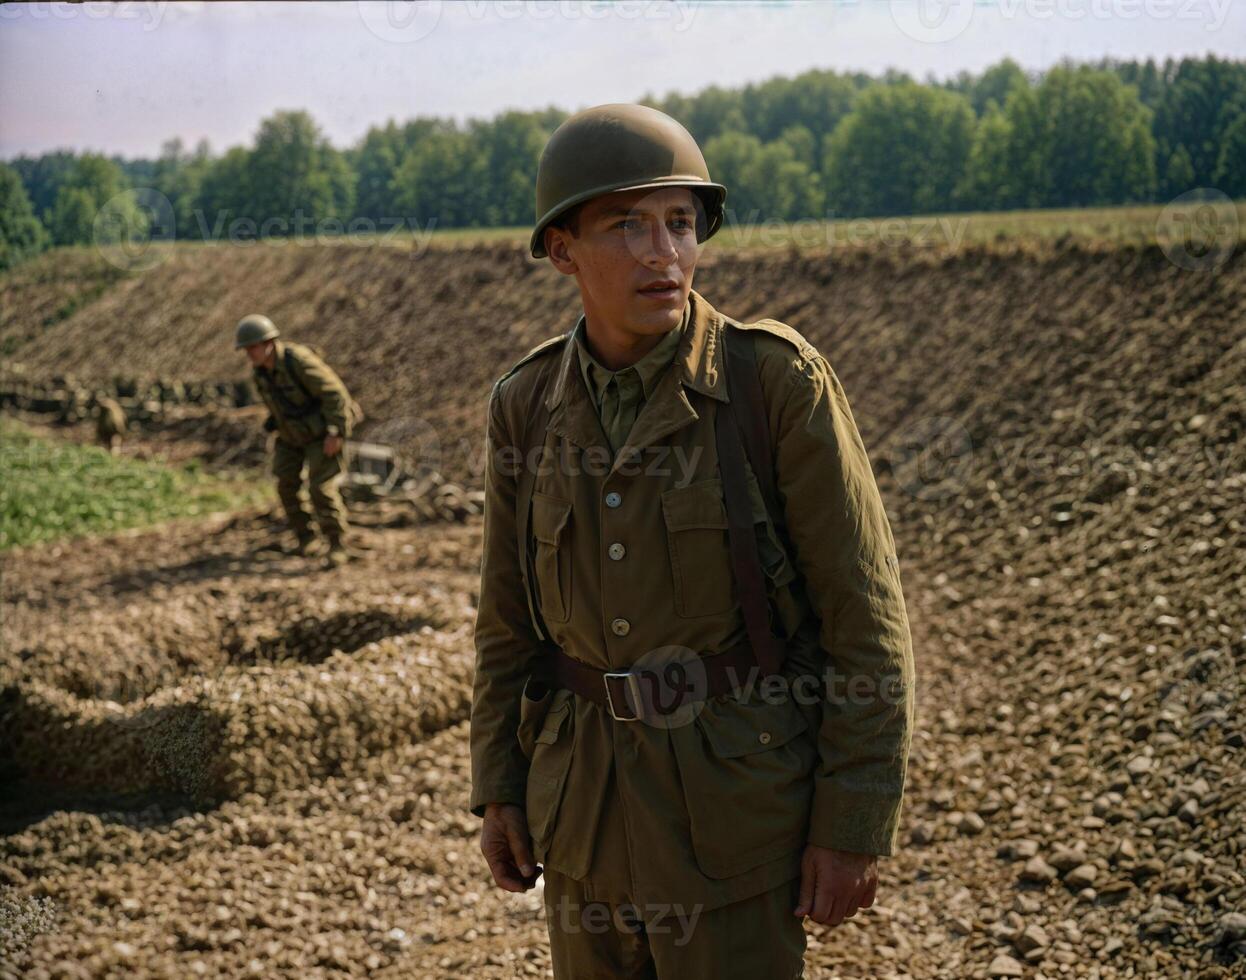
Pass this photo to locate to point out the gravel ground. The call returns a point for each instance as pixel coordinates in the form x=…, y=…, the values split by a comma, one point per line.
x=287, y=800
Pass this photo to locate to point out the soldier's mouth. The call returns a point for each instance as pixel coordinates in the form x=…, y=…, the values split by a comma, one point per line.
x=661, y=290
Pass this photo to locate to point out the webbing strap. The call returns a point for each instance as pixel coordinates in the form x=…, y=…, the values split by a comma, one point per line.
x=742, y=539
x=748, y=404
x=312, y=403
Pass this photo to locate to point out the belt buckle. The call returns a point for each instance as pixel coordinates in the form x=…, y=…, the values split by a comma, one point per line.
x=633, y=685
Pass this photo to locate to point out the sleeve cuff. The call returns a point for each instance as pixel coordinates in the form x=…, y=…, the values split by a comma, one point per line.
x=852, y=820
x=504, y=792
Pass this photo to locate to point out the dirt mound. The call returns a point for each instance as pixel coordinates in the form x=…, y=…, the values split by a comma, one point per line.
x=243, y=730
x=219, y=684
x=985, y=334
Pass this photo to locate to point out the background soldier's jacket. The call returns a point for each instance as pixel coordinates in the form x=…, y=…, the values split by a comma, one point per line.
x=110, y=418
x=721, y=808
x=297, y=417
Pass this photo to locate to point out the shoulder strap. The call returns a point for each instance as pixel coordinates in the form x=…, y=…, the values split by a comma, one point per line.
x=742, y=540
x=291, y=367
x=748, y=405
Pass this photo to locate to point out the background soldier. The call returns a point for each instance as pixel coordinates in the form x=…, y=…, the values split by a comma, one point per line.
x=312, y=414
x=110, y=424
x=667, y=488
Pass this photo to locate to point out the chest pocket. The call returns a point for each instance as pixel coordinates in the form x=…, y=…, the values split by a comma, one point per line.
x=550, y=520
x=696, y=536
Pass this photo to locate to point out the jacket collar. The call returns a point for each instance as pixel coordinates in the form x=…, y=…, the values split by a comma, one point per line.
x=698, y=364
x=279, y=352
x=649, y=368
x=698, y=359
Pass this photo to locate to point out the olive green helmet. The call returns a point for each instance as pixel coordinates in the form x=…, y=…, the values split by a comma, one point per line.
x=619, y=147
x=252, y=329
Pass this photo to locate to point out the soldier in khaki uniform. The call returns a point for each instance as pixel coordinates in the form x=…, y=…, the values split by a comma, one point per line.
x=110, y=423
x=694, y=674
x=312, y=414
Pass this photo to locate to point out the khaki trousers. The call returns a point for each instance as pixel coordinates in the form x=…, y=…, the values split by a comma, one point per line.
x=324, y=474
x=749, y=939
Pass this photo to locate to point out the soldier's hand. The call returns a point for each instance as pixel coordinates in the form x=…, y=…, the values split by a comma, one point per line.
x=507, y=847
x=332, y=445
x=834, y=884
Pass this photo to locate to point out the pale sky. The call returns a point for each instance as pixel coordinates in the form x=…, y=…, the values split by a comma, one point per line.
x=122, y=78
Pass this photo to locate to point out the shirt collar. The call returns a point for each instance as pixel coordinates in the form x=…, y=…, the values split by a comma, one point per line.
x=649, y=368
x=699, y=359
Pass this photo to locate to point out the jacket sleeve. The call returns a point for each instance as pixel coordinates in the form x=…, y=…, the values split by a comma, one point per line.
x=506, y=644
x=323, y=382
x=845, y=551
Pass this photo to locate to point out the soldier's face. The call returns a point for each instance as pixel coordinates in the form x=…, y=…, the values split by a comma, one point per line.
x=627, y=242
x=258, y=354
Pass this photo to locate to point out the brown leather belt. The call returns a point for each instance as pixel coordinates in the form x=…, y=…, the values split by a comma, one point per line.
x=650, y=690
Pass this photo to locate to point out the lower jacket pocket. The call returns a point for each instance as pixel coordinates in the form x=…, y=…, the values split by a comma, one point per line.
x=549, y=764
x=754, y=761
x=534, y=705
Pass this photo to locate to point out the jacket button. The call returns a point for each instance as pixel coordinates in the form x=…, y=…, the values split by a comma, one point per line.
x=620, y=627
x=764, y=738
x=613, y=499
x=616, y=551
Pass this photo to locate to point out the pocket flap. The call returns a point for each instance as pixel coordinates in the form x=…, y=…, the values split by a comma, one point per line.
x=696, y=505
x=734, y=728
x=554, y=718
x=549, y=517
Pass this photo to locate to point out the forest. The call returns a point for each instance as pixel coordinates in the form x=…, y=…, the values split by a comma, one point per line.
x=817, y=146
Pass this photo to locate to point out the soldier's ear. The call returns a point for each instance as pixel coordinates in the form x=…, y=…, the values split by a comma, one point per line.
x=558, y=253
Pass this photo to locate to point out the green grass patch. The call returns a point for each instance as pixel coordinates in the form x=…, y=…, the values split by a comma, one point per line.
x=51, y=489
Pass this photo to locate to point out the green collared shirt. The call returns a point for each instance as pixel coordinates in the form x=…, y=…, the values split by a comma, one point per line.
x=620, y=395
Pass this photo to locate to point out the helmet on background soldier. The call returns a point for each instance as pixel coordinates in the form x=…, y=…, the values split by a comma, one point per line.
x=253, y=329
x=620, y=147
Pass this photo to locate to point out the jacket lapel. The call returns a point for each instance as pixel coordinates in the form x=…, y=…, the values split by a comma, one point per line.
x=698, y=364
x=572, y=413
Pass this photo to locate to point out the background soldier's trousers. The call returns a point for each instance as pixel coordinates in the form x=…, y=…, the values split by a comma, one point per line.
x=324, y=475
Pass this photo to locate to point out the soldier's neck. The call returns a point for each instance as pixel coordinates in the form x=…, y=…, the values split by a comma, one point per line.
x=616, y=348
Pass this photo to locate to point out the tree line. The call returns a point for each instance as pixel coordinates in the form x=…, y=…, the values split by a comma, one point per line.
x=819, y=145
